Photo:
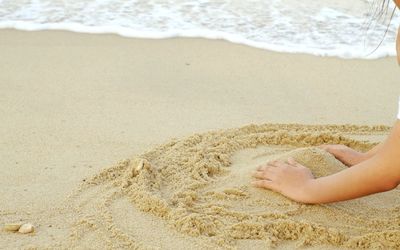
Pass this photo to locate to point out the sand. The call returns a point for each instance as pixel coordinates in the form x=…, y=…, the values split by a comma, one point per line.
x=199, y=188
x=73, y=105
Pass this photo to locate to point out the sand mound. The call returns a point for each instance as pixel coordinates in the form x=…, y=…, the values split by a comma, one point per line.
x=195, y=193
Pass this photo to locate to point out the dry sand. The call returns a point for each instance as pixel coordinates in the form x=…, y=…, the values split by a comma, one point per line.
x=72, y=104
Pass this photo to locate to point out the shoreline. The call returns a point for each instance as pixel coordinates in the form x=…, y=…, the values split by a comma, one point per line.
x=192, y=34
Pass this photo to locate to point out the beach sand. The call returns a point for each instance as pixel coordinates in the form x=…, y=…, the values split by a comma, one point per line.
x=111, y=142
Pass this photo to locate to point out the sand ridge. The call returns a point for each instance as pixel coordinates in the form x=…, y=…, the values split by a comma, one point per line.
x=195, y=193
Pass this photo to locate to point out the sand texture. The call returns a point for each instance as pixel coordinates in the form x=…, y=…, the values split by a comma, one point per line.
x=194, y=193
x=72, y=105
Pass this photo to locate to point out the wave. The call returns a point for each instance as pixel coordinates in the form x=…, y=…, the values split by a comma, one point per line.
x=323, y=28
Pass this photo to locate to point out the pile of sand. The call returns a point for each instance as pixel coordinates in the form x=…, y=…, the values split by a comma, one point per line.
x=195, y=193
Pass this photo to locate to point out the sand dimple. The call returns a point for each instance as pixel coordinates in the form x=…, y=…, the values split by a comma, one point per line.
x=196, y=193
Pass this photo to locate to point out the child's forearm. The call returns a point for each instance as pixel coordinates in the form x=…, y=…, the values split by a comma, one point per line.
x=373, y=150
x=362, y=179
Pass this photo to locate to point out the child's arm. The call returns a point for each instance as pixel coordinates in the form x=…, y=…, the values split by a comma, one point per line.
x=371, y=176
x=374, y=150
x=377, y=174
x=349, y=156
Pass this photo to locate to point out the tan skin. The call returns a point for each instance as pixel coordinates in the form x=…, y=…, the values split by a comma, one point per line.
x=377, y=170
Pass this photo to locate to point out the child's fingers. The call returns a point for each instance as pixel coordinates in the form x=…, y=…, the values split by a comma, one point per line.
x=258, y=174
x=267, y=174
x=263, y=184
x=278, y=164
x=271, y=165
x=262, y=167
x=293, y=162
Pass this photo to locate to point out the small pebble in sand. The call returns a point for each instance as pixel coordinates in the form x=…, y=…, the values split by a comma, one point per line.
x=140, y=166
x=26, y=228
x=12, y=227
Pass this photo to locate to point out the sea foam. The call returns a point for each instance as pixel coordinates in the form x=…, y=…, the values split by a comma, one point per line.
x=325, y=28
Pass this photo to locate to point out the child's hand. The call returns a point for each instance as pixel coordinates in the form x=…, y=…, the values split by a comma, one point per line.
x=347, y=155
x=290, y=179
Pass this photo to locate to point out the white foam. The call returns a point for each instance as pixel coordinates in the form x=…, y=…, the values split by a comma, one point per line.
x=324, y=28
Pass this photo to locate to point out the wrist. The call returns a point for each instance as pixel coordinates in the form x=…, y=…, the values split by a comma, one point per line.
x=309, y=195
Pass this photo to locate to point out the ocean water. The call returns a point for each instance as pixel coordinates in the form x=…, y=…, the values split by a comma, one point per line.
x=342, y=28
